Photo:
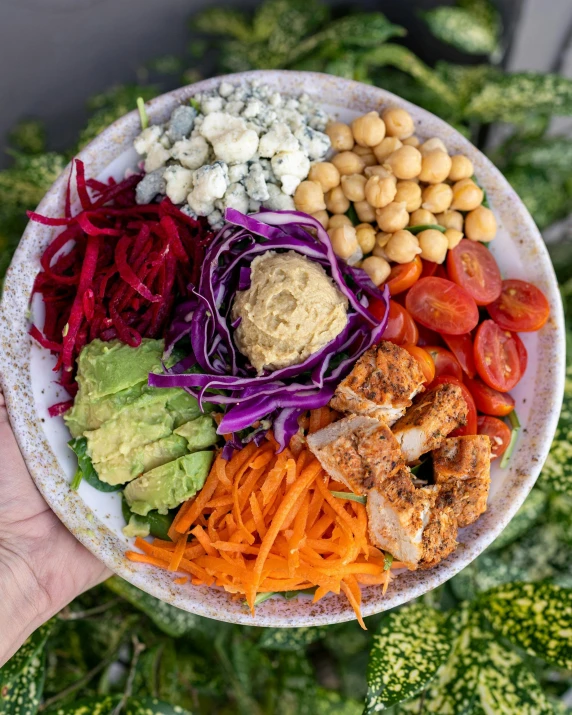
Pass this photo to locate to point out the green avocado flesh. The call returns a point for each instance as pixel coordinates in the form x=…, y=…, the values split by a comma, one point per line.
x=153, y=438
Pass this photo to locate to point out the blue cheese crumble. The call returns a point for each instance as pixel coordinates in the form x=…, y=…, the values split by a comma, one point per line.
x=244, y=147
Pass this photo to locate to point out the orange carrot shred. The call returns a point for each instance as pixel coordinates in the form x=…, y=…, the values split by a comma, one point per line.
x=178, y=553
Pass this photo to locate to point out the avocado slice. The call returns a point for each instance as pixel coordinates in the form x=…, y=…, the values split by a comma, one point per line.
x=166, y=487
x=125, y=467
x=89, y=414
x=200, y=433
x=106, y=368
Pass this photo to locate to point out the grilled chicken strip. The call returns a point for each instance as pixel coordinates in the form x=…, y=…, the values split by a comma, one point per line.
x=405, y=521
x=462, y=470
x=359, y=451
x=433, y=416
x=382, y=384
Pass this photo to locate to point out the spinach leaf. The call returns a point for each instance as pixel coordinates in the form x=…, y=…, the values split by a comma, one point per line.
x=86, y=470
x=159, y=524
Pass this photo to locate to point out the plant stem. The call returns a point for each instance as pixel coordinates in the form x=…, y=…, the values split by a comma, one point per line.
x=67, y=615
x=138, y=648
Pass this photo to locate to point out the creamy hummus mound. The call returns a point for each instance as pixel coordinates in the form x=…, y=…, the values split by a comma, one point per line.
x=291, y=310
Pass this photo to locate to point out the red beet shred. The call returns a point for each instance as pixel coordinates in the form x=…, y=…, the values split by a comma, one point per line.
x=123, y=268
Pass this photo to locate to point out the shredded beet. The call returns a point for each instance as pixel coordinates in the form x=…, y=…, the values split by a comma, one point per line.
x=114, y=271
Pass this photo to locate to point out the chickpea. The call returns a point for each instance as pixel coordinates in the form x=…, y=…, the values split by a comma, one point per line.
x=382, y=238
x=480, y=224
x=309, y=197
x=453, y=237
x=325, y=174
x=344, y=241
x=437, y=197
x=365, y=212
x=380, y=191
x=433, y=244
x=386, y=147
x=405, y=162
x=383, y=171
x=336, y=202
x=362, y=150
x=461, y=168
x=402, y=247
x=369, y=160
x=410, y=193
x=353, y=186
x=466, y=195
x=392, y=217
x=422, y=217
x=451, y=219
x=338, y=220
x=323, y=217
x=377, y=268
x=412, y=141
x=435, y=167
x=365, y=237
x=348, y=163
x=368, y=130
x=341, y=136
x=398, y=123
x=432, y=144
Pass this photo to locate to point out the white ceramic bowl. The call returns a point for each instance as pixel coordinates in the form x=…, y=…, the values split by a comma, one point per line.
x=95, y=518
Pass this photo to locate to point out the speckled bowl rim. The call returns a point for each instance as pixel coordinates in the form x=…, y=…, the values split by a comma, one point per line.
x=212, y=603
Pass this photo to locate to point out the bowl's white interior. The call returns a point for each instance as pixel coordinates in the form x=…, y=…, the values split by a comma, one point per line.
x=95, y=517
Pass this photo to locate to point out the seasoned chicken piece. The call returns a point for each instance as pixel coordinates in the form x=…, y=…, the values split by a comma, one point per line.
x=382, y=384
x=425, y=425
x=406, y=522
x=359, y=451
x=462, y=470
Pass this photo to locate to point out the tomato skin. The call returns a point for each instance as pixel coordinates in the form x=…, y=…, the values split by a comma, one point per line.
x=443, y=306
x=489, y=401
x=522, y=353
x=429, y=268
x=401, y=327
x=377, y=308
x=496, y=357
x=462, y=348
x=445, y=362
x=424, y=359
x=473, y=267
x=498, y=432
x=428, y=337
x=520, y=308
x=471, y=426
x=404, y=275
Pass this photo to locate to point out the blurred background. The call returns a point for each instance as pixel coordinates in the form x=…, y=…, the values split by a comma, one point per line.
x=501, y=72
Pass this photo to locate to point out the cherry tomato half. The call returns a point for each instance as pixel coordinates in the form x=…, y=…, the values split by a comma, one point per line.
x=443, y=306
x=521, y=307
x=429, y=268
x=424, y=359
x=404, y=275
x=401, y=327
x=462, y=348
x=428, y=337
x=471, y=426
x=522, y=353
x=496, y=357
x=377, y=308
x=445, y=362
x=473, y=267
x=498, y=432
x=489, y=401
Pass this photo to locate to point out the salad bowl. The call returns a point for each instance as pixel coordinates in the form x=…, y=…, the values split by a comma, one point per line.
x=94, y=517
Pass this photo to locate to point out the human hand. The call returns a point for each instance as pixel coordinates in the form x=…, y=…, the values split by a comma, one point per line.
x=42, y=566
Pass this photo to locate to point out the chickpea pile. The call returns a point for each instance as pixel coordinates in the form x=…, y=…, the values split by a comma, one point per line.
x=395, y=181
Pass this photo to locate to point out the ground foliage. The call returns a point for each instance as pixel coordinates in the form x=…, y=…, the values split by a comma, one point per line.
x=496, y=637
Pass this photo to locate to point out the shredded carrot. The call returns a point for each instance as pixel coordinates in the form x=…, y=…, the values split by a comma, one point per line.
x=181, y=580
x=267, y=521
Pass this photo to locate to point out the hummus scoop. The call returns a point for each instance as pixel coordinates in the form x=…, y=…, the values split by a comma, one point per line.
x=291, y=310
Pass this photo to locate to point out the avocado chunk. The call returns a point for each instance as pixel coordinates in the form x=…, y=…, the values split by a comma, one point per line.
x=136, y=526
x=89, y=414
x=106, y=368
x=169, y=485
x=200, y=433
x=123, y=468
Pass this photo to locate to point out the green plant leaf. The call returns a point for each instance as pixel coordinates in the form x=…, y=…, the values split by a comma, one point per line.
x=510, y=95
x=23, y=695
x=328, y=702
x=100, y=705
x=22, y=658
x=557, y=470
x=545, y=194
x=468, y=31
x=151, y=706
x=291, y=638
x=535, y=616
x=411, y=645
x=79, y=447
x=291, y=19
x=172, y=621
x=223, y=21
x=528, y=514
x=546, y=153
x=28, y=137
